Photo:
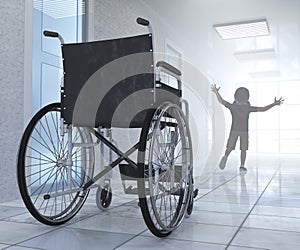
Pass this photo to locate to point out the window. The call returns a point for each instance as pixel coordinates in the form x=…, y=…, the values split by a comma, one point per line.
x=173, y=57
x=276, y=130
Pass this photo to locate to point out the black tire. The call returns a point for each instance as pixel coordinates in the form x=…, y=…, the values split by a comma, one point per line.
x=191, y=202
x=165, y=161
x=44, y=178
x=104, y=197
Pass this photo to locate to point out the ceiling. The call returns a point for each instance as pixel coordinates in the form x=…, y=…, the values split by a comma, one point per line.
x=195, y=19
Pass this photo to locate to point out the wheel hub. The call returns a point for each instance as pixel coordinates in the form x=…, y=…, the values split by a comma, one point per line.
x=61, y=163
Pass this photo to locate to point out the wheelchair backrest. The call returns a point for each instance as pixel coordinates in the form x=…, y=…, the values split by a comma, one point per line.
x=108, y=83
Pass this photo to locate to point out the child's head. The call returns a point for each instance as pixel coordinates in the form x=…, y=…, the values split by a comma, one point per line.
x=241, y=95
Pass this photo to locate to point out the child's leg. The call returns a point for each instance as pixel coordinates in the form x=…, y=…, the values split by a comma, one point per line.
x=244, y=141
x=243, y=157
x=223, y=161
x=230, y=146
x=228, y=151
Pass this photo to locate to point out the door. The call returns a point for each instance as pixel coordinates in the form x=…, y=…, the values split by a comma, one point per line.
x=66, y=17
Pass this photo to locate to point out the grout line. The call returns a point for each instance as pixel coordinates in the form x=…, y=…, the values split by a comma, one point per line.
x=16, y=245
x=135, y=236
x=11, y=216
x=215, y=188
x=247, y=247
x=251, y=209
x=275, y=230
x=20, y=243
x=171, y=239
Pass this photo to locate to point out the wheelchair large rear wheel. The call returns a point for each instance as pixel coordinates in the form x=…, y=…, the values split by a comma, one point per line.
x=165, y=161
x=49, y=184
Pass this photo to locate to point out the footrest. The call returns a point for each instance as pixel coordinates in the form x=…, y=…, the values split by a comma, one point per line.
x=131, y=190
x=128, y=172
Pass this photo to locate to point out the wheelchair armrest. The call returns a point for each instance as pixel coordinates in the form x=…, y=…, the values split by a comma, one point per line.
x=166, y=66
x=170, y=70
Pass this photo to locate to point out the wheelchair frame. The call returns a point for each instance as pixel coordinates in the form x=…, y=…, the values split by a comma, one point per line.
x=157, y=172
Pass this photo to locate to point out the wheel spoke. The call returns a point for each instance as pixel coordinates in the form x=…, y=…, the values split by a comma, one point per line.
x=43, y=174
x=48, y=133
x=166, y=154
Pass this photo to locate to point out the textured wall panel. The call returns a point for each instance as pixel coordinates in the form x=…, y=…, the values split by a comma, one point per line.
x=11, y=93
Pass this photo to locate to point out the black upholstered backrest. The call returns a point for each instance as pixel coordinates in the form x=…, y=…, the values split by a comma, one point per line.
x=108, y=83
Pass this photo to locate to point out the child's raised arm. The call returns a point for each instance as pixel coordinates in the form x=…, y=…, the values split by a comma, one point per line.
x=275, y=103
x=216, y=89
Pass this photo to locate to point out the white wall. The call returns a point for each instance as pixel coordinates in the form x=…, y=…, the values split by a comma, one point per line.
x=11, y=93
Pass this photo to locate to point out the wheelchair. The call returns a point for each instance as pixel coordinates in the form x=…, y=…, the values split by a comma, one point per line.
x=108, y=84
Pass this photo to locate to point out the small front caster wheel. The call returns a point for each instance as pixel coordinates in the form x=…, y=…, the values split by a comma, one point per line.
x=104, y=197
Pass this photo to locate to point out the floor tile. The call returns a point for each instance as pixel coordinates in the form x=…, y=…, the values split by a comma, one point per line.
x=110, y=223
x=77, y=239
x=277, y=202
x=128, y=210
x=275, y=240
x=221, y=207
x=142, y=242
x=230, y=199
x=244, y=248
x=273, y=223
x=6, y=211
x=28, y=218
x=277, y=211
x=14, y=203
x=13, y=233
x=216, y=218
x=2, y=246
x=202, y=233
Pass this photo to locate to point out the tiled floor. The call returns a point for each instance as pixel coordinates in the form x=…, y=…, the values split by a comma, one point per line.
x=258, y=210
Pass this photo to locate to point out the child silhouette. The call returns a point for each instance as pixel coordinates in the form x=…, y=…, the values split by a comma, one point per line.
x=240, y=110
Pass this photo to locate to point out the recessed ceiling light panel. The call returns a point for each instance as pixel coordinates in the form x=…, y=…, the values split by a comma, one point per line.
x=265, y=74
x=243, y=29
x=257, y=54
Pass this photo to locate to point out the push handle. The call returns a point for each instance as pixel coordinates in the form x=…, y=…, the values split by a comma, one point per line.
x=50, y=33
x=142, y=21
x=53, y=34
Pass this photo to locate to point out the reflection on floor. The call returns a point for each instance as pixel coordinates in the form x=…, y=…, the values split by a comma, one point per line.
x=258, y=210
